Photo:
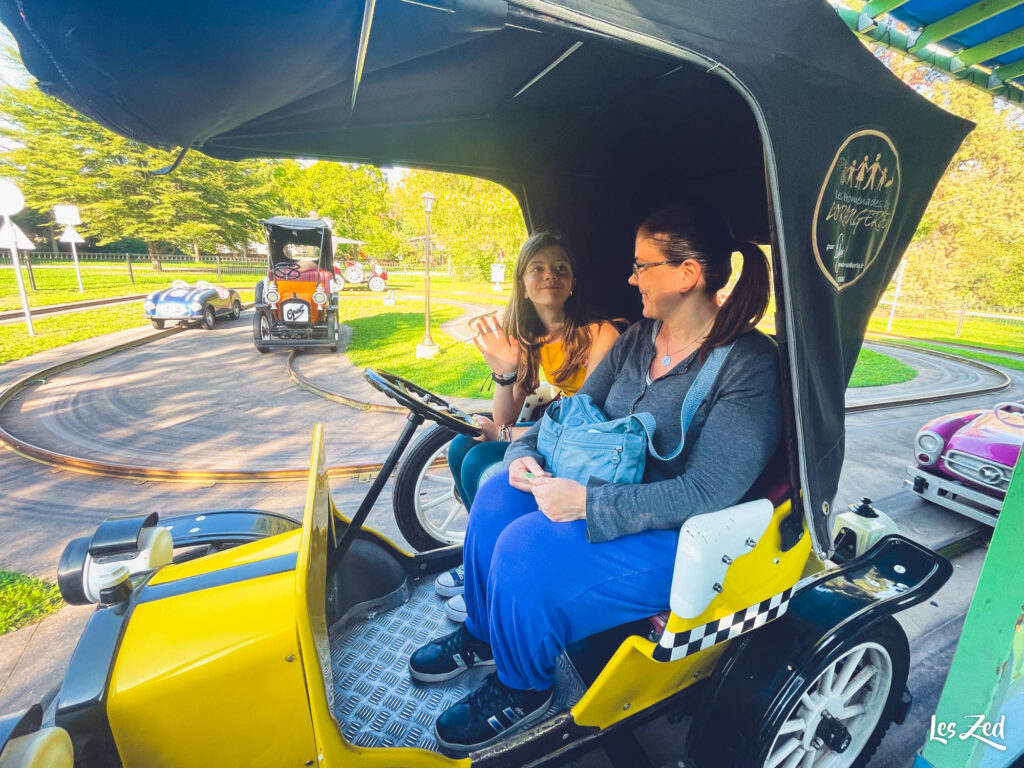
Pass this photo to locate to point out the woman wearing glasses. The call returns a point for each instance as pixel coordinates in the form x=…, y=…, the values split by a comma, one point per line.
x=550, y=561
x=546, y=329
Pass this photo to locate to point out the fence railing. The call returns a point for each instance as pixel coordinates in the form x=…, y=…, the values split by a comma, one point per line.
x=967, y=322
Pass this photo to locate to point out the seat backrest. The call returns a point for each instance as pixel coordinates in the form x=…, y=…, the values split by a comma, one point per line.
x=707, y=546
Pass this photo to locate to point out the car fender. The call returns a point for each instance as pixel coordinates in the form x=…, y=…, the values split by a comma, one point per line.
x=947, y=426
x=825, y=612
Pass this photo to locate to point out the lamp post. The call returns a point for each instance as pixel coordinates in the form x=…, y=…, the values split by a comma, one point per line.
x=427, y=348
x=11, y=202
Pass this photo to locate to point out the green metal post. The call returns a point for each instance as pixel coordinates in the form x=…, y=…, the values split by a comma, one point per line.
x=983, y=697
x=131, y=275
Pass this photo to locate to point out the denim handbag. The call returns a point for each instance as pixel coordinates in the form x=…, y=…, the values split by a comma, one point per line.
x=579, y=442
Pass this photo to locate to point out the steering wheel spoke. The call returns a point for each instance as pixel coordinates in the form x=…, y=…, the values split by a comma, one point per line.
x=422, y=402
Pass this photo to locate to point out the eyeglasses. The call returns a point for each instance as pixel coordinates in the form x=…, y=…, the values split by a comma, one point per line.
x=638, y=267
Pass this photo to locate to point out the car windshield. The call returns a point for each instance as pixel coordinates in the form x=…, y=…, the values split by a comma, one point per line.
x=298, y=252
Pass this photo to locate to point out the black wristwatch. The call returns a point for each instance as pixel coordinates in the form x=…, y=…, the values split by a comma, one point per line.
x=504, y=379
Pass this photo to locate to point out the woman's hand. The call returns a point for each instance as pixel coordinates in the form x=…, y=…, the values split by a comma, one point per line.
x=490, y=429
x=518, y=470
x=560, y=499
x=500, y=352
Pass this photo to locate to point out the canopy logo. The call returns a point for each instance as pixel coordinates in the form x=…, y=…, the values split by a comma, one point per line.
x=855, y=206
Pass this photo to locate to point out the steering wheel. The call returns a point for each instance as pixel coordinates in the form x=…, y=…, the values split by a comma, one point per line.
x=1006, y=412
x=287, y=270
x=421, y=401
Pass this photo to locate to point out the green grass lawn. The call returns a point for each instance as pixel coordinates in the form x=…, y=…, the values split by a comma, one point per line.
x=386, y=337
x=983, y=331
x=24, y=600
x=970, y=354
x=57, y=284
x=874, y=369
x=58, y=330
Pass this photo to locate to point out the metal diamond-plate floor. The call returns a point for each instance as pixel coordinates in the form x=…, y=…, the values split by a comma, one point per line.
x=376, y=702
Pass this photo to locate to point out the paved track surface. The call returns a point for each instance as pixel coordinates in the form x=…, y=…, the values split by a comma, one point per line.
x=207, y=399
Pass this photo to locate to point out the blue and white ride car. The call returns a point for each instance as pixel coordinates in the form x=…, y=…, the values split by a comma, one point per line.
x=200, y=303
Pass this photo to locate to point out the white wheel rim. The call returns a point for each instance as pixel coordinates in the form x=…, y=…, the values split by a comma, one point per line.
x=853, y=689
x=264, y=328
x=438, y=510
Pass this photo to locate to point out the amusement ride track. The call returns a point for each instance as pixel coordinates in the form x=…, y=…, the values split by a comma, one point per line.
x=26, y=448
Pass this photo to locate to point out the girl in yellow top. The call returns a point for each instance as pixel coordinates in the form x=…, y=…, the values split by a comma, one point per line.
x=545, y=328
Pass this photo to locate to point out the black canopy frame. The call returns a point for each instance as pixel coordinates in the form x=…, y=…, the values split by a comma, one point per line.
x=592, y=112
x=286, y=230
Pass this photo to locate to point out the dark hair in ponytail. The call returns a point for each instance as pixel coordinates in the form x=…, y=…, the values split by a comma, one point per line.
x=683, y=232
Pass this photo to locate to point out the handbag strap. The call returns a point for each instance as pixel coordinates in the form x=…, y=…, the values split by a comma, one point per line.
x=694, y=397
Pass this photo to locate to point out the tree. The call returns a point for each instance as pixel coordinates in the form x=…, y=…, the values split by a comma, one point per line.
x=355, y=198
x=970, y=243
x=474, y=219
x=58, y=156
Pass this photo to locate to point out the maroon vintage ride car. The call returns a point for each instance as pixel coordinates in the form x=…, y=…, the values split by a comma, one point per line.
x=964, y=460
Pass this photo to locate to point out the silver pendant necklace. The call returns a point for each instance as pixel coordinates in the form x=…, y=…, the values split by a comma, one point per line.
x=666, y=361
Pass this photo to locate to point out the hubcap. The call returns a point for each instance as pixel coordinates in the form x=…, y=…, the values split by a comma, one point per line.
x=836, y=715
x=438, y=509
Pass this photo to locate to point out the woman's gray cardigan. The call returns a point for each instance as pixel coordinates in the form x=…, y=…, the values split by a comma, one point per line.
x=731, y=438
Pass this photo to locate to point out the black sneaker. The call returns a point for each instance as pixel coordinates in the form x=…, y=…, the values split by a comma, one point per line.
x=489, y=713
x=449, y=657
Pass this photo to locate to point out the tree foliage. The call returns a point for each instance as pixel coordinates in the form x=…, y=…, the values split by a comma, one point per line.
x=970, y=243
x=57, y=156
x=474, y=220
x=355, y=198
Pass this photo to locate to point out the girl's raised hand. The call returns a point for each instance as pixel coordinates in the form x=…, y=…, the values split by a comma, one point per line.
x=500, y=352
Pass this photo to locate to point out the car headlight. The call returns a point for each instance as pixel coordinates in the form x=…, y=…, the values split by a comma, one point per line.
x=928, y=446
x=196, y=306
x=150, y=305
x=272, y=297
x=320, y=297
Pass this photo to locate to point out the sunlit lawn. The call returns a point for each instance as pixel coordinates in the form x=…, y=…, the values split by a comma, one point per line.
x=58, y=330
x=57, y=284
x=24, y=600
x=386, y=337
x=970, y=354
x=874, y=369
x=1007, y=335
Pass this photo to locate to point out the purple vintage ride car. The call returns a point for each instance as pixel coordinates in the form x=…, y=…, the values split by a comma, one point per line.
x=965, y=460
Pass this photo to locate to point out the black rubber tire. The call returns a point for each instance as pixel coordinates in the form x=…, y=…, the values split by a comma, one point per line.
x=403, y=494
x=332, y=330
x=763, y=682
x=236, y=309
x=209, y=317
x=257, y=337
x=158, y=324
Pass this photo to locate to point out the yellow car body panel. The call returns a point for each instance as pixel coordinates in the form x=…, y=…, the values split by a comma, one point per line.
x=206, y=676
x=274, y=546
x=318, y=521
x=633, y=680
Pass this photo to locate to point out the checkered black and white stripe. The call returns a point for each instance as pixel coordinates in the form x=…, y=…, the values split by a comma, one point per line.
x=673, y=646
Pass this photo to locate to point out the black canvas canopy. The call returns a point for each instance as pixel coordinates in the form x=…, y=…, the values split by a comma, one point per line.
x=593, y=112
x=288, y=230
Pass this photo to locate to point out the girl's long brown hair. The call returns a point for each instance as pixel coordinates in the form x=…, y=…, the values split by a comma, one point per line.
x=522, y=323
x=684, y=232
